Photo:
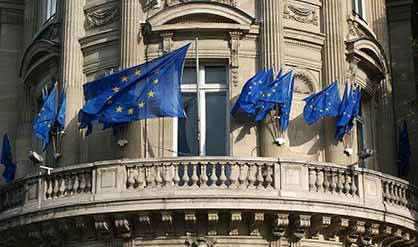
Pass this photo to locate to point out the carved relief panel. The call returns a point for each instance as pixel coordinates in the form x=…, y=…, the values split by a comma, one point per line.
x=301, y=16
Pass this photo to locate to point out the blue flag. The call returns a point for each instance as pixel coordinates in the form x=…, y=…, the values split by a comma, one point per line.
x=44, y=121
x=149, y=90
x=287, y=105
x=7, y=160
x=348, y=112
x=248, y=97
x=404, y=151
x=276, y=92
x=61, y=111
x=324, y=103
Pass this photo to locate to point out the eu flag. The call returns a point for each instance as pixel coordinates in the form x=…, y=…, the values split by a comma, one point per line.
x=278, y=92
x=249, y=94
x=149, y=90
x=7, y=160
x=349, y=110
x=324, y=103
x=61, y=112
x=404, y=151
x=43, y=122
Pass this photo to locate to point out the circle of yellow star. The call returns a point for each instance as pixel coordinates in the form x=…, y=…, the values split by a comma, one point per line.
x=124, y=78
x=116, y=89
x=156, y=81
x=119, y=109
x=141, y=105
x=137, y=72
x=151, y=93
x=131, y=111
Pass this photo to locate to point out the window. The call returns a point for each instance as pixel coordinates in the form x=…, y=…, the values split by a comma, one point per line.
x=365, y=126
x=205, y=130
x=358, y=8
x=48, y=9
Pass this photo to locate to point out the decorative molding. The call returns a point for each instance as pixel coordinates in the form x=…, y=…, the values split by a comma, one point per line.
x=304, y=82
x=299, y=14
x=213, y=219
x=234, y=64
x=280, y=225
x=167, y=41
x=101, y=17
x=233, y=3
x=257, y=221
x=236, y=218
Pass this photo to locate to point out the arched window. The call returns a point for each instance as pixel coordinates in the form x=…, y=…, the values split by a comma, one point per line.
x=359, y=8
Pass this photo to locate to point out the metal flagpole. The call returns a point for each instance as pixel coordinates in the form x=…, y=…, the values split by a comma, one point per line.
x=199, y=130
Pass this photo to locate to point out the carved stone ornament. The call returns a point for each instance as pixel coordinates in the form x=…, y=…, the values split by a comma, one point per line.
x=233, y=3
x=354, y=31
x=102, y=17
x=304, y=83
x=299, y=14
x=200, y=242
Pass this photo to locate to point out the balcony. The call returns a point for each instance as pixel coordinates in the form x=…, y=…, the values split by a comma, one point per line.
x=296, y=200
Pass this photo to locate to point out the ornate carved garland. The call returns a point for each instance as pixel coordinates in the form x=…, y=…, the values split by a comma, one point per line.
x=299, y=14
x=101, y=17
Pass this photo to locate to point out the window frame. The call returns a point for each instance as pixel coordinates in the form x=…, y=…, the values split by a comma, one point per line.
x=201, y=88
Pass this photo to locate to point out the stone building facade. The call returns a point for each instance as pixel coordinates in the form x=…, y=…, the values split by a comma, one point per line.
x=212, y=179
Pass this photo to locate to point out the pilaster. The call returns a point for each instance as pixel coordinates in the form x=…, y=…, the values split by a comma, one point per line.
x=130, y=55
x=271, y=57
x=73, y=76
x=333, y=69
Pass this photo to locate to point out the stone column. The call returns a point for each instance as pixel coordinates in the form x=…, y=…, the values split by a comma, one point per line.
x=72, y=74
x=131, y=55
x=380, y=24
x=333, y=69
x=271, y=56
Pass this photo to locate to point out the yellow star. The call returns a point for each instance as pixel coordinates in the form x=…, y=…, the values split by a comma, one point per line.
x=156, y=81
x=43, y=109
x=141, y=105
x=119, y=109
x=137, y=72
x=151, y=93
x=49, y=126
x=131, y=111
x=124, y=78
x=269, y=94
x=116, y=89
x=249, y=92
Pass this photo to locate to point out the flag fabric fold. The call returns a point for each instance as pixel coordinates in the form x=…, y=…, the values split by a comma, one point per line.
x=348, y=112
x=149, y=90
x=322, y=104
x=45, y=119
x=60, y=125
x=7, y=160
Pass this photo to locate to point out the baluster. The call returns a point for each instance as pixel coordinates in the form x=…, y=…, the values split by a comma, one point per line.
x=194, y=177
x=186, y=177
x=391, y=195
x=396, y=193
x=333, y=182
x=69, y=188
x=149, y=176
x=319, y=180
x=326, y=181
x=83, y=182
x=141, y=177
x=176, y=178
x=131, y=179
x=340, y=182
x=234, y=176
x=353, y=186
x=222, y=177
x=269, y=177
x=158, y=177
x=168, y=178
x=49, y=188
x=347, y=186
x=251, y=176
x=312, y=179
x=259, y=177
x=213, y=177
x=242, y=178
x=88, y=182
x=386, y=195
x=56, y=188
x=203, y=176
x=62, y=186
x=76, y=184
x=403, y=196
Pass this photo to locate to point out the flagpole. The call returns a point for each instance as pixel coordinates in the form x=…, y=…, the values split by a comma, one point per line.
x=199, y=129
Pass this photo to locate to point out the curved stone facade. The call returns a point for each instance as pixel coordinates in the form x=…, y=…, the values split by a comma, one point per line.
x=127, y=187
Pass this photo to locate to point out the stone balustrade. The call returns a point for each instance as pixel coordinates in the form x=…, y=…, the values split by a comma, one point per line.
x=303, y=196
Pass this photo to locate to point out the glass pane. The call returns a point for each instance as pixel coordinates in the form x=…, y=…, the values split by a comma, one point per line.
x=360, y=7
x=187, y=143
x=189, y=75
x=215, y=74
x=216, y=124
